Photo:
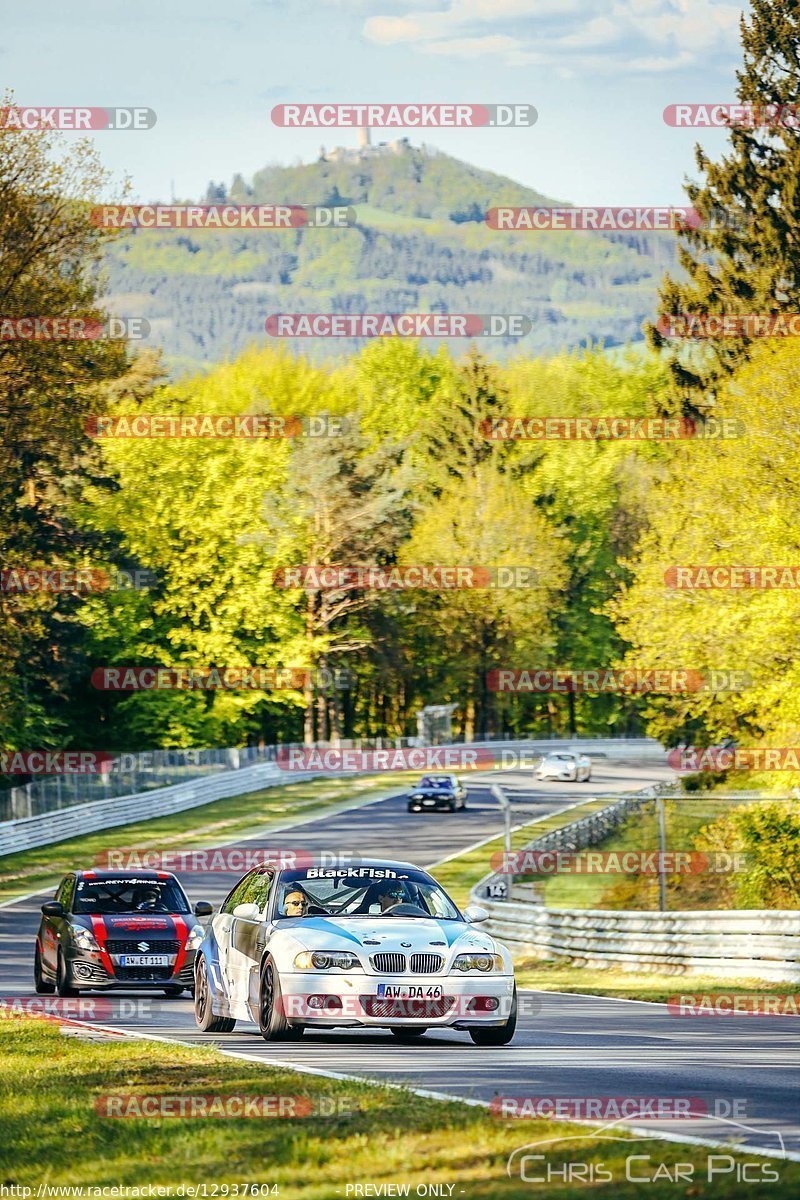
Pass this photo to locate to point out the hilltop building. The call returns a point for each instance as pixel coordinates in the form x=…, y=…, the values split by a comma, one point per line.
x=365, y=149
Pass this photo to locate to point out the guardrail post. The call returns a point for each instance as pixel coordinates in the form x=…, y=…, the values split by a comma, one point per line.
x=505, y=804
x=662, y=848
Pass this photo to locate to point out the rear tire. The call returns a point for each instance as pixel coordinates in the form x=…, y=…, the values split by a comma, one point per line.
x=408, y=1035
x=42, y=986
x=64, y=985
x=272, y=1024
x=203, y=1012
x=500, y=1035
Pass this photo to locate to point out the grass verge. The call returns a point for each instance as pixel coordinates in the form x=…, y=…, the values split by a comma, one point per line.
x=53, y=1133
x=208, y=825
x=552, y=975
x=459, y=875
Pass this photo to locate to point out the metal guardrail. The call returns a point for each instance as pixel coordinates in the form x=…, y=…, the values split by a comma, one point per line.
x=736, y=944
x=133, y=774
x=45, y=828
x=88, y=818
x=732, y=943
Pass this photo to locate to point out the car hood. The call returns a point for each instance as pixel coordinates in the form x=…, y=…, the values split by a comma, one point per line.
x=382, y=935
x=152, y=927
x=433, y=791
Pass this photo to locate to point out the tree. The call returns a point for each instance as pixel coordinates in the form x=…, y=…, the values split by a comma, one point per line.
x=345, y=504
x=744, y=257
x=49, y=256
x=733, y=501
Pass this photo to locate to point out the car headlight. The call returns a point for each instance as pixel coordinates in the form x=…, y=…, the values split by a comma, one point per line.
x=195, y=937
x=83, y=939
x=327, y=960
x=478, y=962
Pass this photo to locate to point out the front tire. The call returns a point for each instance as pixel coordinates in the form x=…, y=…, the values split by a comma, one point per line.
x=500, y=1035
x=174, y=991
x=203, y=1012
x=64, y=985
x=42, y=986
x=272, y=1024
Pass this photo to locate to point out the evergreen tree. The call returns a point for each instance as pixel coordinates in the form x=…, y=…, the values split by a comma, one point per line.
x=744, y=258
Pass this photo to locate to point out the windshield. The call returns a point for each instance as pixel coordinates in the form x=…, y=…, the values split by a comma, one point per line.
x=129, y=896
x=362, y=892
x=436, y=781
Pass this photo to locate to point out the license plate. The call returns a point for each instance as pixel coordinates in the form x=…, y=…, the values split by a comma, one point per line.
x=410, y=991
x=428, y=801
x=144, y=960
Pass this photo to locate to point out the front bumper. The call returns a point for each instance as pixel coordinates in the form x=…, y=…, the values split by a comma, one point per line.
x=353, y=1000
x=433, y=803
x=89, y=970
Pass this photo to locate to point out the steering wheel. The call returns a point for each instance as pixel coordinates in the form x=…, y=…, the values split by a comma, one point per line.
x=408, y=910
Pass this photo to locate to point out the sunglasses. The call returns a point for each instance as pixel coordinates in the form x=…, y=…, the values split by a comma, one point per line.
x=295, y=903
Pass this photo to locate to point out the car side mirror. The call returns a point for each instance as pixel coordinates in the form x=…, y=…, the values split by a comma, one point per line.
x=251, y=912
x=53, y=908
x=475, y=914
x=203, y=909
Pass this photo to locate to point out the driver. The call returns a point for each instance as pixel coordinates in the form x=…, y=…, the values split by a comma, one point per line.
x=295, y=904
x=390, y=894
x=148, y=900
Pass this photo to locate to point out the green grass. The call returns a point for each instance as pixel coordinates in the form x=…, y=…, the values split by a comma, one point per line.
x=683, y=818
x=49, y=1085
x=459, y=875
x=553, y=975
x=208, y=825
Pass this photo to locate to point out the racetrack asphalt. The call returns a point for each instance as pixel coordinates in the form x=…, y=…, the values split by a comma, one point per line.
x=743, y=1071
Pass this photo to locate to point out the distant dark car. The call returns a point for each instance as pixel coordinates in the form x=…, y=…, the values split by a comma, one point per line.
x=438, y=792
x=118, y=929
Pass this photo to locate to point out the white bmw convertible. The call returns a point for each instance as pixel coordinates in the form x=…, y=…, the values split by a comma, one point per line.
x=378, y=944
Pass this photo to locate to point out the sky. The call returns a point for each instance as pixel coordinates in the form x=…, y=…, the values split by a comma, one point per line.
x=599, y=72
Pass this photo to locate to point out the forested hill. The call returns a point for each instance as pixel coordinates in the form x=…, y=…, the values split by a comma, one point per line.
x=420, y=244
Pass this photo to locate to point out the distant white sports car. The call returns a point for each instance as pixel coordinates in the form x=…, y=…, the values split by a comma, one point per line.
x=374, y=944
x=565, y=764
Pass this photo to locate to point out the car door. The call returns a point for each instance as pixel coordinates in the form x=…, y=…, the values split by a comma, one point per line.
x=248, y=938
x=222, y=927
x=55, y=928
